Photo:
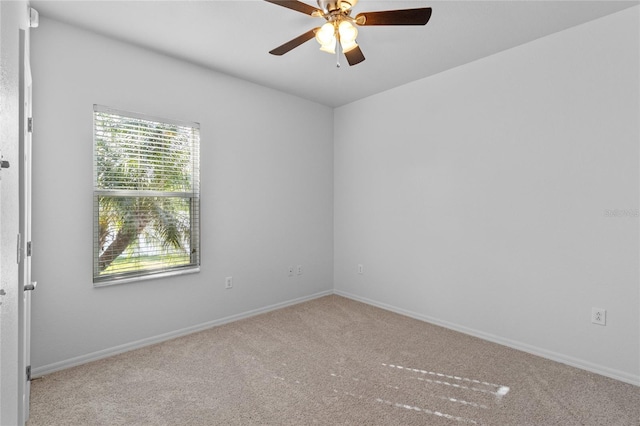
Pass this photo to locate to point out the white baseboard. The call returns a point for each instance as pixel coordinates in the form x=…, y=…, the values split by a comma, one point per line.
x=105, y=353
x=553, y=356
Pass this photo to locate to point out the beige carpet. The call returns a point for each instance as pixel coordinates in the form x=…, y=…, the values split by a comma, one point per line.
x=330, y=361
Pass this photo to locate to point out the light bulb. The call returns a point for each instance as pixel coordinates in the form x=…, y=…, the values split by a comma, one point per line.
x=348, y=33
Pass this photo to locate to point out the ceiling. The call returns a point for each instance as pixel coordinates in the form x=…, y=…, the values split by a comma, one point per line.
x=234, y=37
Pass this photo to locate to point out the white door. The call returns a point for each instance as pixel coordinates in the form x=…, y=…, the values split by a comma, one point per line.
x=26, y=126
x=15, y=105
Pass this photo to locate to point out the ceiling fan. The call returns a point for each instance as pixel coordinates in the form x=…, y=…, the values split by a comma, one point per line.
x=339, y=31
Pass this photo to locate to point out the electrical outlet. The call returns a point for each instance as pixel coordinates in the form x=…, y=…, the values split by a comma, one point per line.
x=290, y=272
x=360, y=269
x=228, y=282
x=599, y=316
x=299, y=270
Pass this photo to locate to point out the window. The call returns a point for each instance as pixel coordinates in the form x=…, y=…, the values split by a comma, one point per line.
x=146, y=197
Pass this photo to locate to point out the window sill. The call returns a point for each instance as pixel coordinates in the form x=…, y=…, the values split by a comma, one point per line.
x=150, y=276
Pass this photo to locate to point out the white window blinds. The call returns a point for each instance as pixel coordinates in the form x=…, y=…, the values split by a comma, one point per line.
x=146, y=196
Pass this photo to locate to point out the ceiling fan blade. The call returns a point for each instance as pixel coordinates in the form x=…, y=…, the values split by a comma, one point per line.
x=292, y=44
x=395, y=17
x=297, y=6
x=354, y=56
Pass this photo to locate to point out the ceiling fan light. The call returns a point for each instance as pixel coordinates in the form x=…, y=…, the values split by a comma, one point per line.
x=348, y=33
x=347, y=47
x=329, y=48
x=347, y=4
x=326, y=34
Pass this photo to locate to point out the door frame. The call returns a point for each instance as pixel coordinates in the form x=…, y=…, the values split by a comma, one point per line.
x=24, y=261
x=14, y=17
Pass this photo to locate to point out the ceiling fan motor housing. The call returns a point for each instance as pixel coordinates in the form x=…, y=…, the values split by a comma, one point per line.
x=329, y=6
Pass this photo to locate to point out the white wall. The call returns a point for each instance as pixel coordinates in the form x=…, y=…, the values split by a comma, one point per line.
x=476, y=198
x=267, y=191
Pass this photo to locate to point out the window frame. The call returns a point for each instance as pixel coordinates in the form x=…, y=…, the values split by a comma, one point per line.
x=193, y=196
